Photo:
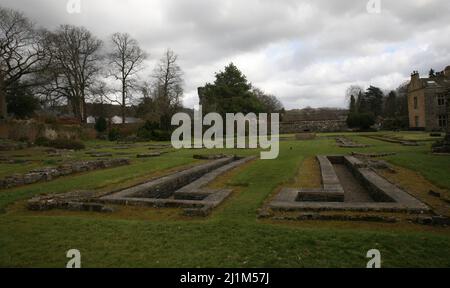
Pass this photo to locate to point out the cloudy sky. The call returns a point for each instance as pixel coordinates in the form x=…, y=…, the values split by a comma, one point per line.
x=305, y=52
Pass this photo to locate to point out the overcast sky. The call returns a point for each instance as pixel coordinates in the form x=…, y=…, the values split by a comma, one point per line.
x=305, y=52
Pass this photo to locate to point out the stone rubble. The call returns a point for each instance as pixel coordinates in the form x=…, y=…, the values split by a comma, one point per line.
x=345, y=142
x=49, y=173
x=72, y=201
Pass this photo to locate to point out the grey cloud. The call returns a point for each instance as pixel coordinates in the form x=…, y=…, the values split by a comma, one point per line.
x=306, y=52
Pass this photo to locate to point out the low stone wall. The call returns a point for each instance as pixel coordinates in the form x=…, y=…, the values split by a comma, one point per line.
x=187, y=187
x=345, y=142
x=6, y=145
x=30, y=130
x=392, y=140
x=331, y=190
x=165, y=186
x=50, y=173
x=313, y=126
x=388, y=197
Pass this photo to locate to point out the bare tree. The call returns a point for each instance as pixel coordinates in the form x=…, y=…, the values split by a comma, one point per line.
x=271, y=103
x=75, y=66
x=168, y=87
x=125, y=61
x=354, y=90
x=21, y=50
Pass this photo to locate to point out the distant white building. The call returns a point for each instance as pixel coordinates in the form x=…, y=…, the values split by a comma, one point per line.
x=90, y=120
x=116, y=120
x=128, y=120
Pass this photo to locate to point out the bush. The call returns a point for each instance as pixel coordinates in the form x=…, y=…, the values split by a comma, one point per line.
x=60, y=143
x=395, y=123
x=151, y=131
x=101, y=125
x=21, y=102
x=42, y=141
x=114, y=134
x=67, y=144
x=360, y=120
x=161, y=135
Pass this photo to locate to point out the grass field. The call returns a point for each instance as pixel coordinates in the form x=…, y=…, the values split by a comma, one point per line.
x=232, y=236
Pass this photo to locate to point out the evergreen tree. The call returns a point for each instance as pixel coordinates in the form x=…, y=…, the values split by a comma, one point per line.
x=352, y=107
x=374, y=98
x=230, y=93
x=390, y=107
x=431, y=74
x=361, y=103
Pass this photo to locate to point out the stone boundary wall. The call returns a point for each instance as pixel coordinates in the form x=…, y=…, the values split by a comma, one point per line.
x=29, y=130
x=313, y=126
x=50, y=173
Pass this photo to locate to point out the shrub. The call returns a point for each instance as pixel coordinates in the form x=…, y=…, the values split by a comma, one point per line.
x=101, y=125
x=151, y=131
x=366, y=120
x=114, y=134
x=360, y=120
x=67, y=144
x=60, y=143
x=21, y=102
x=42, y=141
x=161, y=135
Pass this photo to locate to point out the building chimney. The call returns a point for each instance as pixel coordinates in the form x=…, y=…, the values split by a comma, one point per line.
x=447, y=72
x=415, y=76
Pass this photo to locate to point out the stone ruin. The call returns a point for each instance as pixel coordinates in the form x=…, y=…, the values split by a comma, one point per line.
x=385, y=138
x=7, y=145
x=185, y=189
x=209, y=157
x=50, y=173
x=345, y=142
x=348, y=184
x=372, y=155
x=443, y=146
x=74, y=201
x=151, y=154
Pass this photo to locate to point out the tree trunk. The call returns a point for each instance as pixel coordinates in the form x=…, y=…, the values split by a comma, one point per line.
x=3, y=105
x=447, y=135
x=123, y=101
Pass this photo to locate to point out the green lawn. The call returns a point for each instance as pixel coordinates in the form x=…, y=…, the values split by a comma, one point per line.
x=232, y=236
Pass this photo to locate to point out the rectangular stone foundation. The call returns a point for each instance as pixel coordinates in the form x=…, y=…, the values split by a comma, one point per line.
x=330, y=197
x=185, y=189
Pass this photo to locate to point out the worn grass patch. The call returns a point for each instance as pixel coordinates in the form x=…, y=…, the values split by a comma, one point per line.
x=419, y=187
x=309, y=174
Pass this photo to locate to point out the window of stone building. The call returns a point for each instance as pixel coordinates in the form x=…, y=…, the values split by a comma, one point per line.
x=441, y=99
x=416, y=120
x=442, y=121
x=415, y=102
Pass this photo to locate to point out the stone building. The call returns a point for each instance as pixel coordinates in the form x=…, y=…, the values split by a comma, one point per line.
x=427, y=101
